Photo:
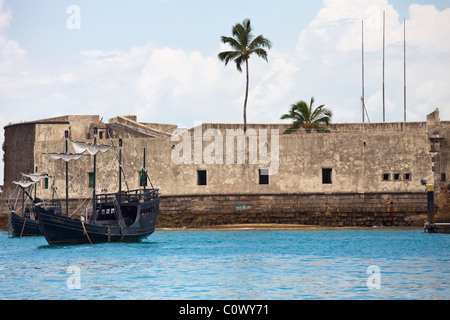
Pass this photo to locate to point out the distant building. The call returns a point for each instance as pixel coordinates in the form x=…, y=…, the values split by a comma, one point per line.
x=388, y=160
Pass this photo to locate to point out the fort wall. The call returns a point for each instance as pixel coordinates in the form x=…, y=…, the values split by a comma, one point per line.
x=355, y=174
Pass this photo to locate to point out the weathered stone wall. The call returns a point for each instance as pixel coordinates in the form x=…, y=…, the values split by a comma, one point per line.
x=18, y=153
x=337, y=210
x=345, y=209
x=358, y=154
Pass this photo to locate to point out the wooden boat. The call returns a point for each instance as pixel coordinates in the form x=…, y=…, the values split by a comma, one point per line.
x=19, y=226
x=26, y=223
x=125, y=216
x=119, y=217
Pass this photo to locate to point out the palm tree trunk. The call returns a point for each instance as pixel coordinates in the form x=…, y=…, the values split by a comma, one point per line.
x=246, y=97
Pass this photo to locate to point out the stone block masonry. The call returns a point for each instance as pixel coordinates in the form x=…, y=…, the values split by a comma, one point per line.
x=337, y=210
x=334, y=210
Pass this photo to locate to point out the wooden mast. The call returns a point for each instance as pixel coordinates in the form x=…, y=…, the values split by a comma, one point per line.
x=66, y=137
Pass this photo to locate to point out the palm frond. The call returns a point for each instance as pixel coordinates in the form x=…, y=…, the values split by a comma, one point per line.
x=260, y=42
x=232, y=42
x=305, y=116
x=227, y=56
x=261, y=53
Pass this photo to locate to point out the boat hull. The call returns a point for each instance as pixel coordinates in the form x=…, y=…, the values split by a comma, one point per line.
x=19, y=226
x=59, y=229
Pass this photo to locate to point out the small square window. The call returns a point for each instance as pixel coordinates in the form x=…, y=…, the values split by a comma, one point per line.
x=407, y=176
x=326, y=175
x=396, y=176
x=386, y=176
x=263, y=176
x=201, y=177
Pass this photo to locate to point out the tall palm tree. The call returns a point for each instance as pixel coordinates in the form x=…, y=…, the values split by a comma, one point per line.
x=305, y=116
x=243, y=45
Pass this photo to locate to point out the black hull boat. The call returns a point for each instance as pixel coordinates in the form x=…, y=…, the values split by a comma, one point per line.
x=130, y=217
x=22, y=226
x=26, y=222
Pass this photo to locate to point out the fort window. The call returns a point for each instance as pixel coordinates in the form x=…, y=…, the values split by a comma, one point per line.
x=263, y=176
x=46, y=183
x=326, y=175
x=407, y=177
x=386, y=176
x=201, y=177
x=396, y=176
x=443, y=176
x=91, y=179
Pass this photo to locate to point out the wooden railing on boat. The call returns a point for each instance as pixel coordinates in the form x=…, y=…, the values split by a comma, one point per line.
x=132, y=196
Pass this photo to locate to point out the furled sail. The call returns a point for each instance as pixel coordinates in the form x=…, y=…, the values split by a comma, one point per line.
x=24, y=184
x=93, y=149
x=36, y=176
x=65, y=156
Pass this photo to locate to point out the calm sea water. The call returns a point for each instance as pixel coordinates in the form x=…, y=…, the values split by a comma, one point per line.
x=233, y=264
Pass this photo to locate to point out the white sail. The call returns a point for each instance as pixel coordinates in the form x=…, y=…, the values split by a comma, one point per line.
x=35, y=176
x=65, y=156
x=24, y=184
x=93, y=149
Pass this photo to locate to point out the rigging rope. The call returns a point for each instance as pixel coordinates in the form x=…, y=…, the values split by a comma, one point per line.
x=23, y=227
x=85, y=232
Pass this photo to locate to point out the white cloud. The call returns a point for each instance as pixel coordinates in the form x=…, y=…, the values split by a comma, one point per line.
x=330, y=54
x=177, y=86
x=428, y=29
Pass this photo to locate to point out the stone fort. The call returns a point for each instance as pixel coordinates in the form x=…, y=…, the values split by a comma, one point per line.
x=355, y=174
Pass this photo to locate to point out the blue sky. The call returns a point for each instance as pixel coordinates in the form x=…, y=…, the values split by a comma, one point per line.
x=40, y=26
x=158, y=59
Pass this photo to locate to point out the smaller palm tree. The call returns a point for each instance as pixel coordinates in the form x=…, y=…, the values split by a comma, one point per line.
x=306, y=117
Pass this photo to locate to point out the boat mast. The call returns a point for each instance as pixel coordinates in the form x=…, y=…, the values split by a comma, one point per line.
x=94, y=206
x=66, y=137
x=120, y=169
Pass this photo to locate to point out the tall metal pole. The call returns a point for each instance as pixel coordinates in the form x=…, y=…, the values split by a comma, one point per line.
x=384, y=30
x=404, y=68
x=362, y=55
x=66, y=137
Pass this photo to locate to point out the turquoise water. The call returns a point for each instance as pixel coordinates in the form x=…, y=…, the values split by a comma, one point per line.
x=233, y=264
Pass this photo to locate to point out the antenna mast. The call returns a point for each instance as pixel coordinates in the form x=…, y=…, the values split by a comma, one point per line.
x=404, y=68
x=362, y=55
x=384, y=30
